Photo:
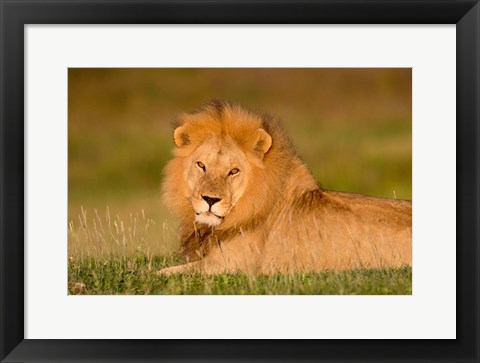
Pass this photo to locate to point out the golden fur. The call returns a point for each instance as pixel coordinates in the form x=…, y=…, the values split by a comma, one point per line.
x=246, y=202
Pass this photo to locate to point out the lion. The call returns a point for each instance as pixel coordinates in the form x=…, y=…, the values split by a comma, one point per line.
x=247, y=203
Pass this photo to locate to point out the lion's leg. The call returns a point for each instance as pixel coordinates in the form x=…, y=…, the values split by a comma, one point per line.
x=180, y=269
x=231, y=259
x=208, y=266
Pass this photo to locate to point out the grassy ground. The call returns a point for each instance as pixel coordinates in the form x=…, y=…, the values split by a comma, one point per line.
x=109, y=256
x=136, y=275
x=351, y=126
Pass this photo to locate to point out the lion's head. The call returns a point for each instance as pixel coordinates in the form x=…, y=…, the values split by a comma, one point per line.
x=218, y=177
x=217, y=169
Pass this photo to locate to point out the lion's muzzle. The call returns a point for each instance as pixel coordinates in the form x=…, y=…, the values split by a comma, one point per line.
x=209, y=210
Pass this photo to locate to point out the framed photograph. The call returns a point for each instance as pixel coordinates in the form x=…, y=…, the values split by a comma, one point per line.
x=240, y=181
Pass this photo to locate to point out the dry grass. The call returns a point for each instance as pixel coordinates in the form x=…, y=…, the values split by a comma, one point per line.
x=102, y=233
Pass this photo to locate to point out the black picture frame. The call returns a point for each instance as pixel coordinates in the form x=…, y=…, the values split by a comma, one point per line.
x=16, y=13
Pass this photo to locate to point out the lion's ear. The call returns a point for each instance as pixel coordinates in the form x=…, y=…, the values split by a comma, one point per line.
x=263, y=142
x=180, y=136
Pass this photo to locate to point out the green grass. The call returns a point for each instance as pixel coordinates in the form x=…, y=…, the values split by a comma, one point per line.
x=136, y=275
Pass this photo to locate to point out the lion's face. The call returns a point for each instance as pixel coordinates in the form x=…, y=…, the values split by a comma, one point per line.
x=219, y=158
x=217, y=176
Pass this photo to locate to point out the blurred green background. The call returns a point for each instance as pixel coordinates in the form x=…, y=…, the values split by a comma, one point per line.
x=352, y=127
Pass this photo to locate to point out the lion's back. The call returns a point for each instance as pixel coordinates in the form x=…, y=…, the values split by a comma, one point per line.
x=335, y=230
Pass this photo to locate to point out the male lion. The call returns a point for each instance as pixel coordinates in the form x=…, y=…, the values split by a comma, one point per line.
x=247, y=203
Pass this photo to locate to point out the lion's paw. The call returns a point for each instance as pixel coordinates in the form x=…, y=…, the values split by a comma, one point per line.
x=172, y=270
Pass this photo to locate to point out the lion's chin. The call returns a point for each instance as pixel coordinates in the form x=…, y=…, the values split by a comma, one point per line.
x=208, y=218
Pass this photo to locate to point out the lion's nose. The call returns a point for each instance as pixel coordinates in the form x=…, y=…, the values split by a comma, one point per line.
x=211, y=201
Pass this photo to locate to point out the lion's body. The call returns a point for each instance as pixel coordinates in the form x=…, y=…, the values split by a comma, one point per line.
x=271, y=215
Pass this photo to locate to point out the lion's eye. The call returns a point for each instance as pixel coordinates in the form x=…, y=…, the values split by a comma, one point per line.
x=201, y=165
x=234, y=171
